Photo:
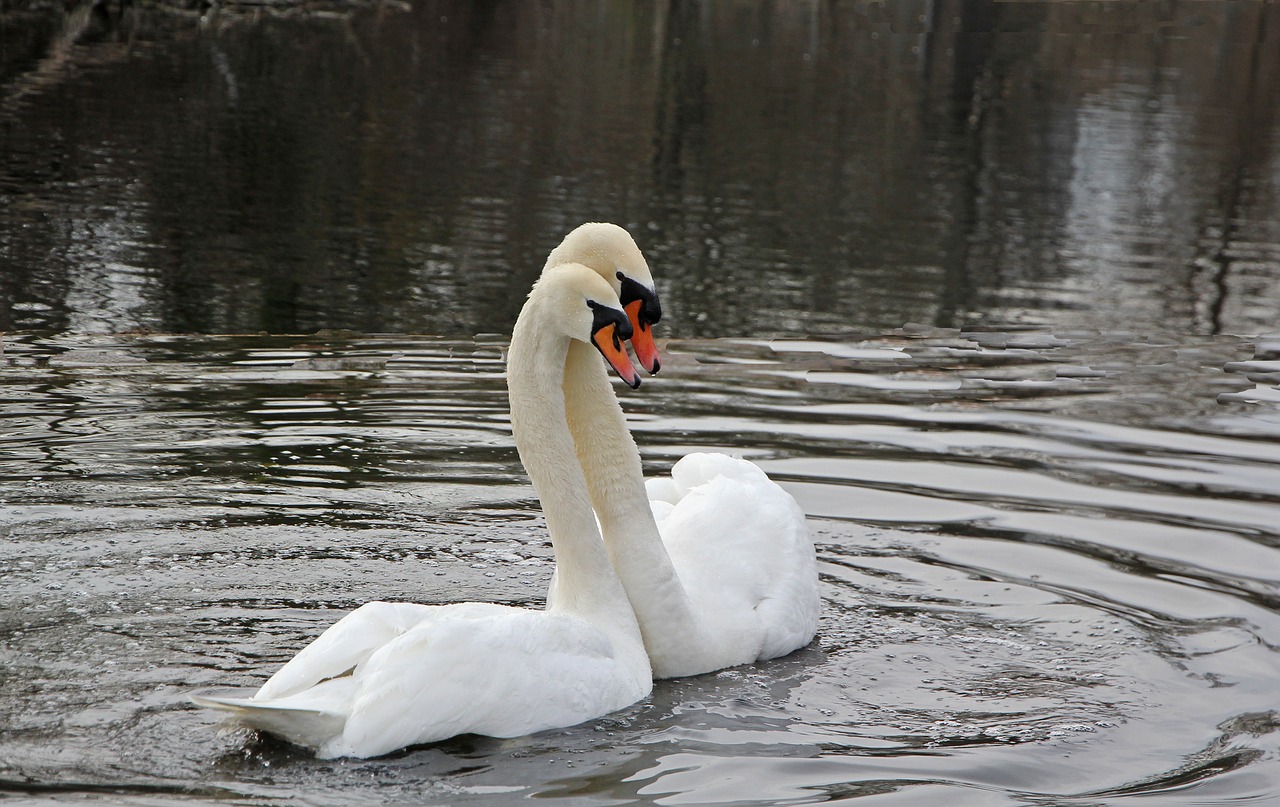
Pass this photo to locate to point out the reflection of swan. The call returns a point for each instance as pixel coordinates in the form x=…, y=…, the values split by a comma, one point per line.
x=719, y=567
x=395, y=674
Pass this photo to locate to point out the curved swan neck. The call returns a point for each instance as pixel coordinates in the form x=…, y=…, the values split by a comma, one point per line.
x=604, y=446
x=615, y=479
x=586, y=583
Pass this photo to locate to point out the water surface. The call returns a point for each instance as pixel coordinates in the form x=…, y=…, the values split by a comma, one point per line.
x=789, y=168
x=1050, y=565
x=987, y=287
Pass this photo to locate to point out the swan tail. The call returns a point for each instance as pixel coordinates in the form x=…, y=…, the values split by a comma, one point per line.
x=313, y=721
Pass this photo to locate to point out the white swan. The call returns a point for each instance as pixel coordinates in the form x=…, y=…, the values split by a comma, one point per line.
x=390, y=675
x=717, y=559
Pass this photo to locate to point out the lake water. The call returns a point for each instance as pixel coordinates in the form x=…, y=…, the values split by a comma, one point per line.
x=1050, y=565
x=992, y=290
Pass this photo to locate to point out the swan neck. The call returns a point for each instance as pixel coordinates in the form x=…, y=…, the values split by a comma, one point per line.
x=615, y=479
x=585, y=582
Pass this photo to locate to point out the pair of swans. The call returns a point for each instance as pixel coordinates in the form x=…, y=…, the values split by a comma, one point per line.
x=706, y=569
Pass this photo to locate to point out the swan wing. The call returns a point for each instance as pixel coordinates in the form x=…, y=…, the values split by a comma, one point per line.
x=741, y=545
x=498, y=671
x=413, y=674
x=344, y=645
x=309, y=718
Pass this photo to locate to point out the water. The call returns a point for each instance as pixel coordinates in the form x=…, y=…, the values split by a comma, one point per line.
x=992, y=290
x=1050, y=565
x=801, y=169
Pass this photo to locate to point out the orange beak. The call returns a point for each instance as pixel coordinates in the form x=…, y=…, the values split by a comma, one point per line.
x=610, y=346
x=642, y=338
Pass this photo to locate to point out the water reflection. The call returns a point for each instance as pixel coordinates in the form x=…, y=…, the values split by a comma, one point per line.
x=843, y=167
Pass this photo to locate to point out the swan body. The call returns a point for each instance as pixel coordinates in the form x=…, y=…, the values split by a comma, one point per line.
x=741, y=548
x=716, y=559
x=390, y=675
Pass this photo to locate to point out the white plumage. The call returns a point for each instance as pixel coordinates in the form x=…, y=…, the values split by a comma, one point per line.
x=390, y=675
x=408, y=674
x=719, y=567
x=708, y=568
x=742, y=551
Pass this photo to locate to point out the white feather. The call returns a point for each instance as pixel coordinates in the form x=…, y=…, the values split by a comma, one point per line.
x=717, y=559
x=390, y=675
x=741, y=547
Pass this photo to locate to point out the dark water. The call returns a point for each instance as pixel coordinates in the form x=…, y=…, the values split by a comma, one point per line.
x=993, y=290
x=798, y=167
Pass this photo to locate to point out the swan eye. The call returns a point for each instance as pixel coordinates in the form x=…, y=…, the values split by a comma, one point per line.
x=608, y=331
x=604, y=316
x=642, y=307
x=633, y=291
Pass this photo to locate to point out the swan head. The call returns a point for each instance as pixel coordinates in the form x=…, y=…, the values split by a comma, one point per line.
x=611, y=252
x=587, y=309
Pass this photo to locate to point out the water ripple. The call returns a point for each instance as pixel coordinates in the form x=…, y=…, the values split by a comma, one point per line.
x=1027, y=587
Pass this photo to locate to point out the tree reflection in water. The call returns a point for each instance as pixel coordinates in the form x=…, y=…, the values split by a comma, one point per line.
x=789, y=168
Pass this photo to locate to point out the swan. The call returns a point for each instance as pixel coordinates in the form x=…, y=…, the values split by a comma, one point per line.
x=716, y=558
x=390, y=675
